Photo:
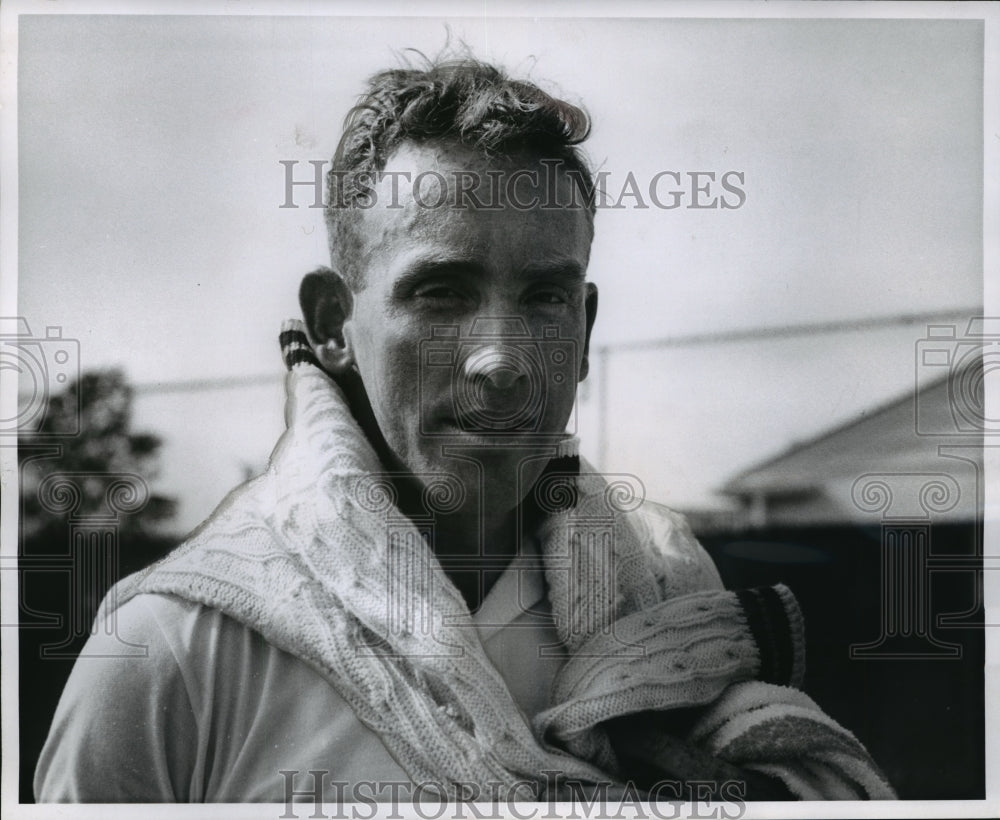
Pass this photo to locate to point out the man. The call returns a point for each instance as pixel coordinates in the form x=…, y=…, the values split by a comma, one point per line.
x=427, y=593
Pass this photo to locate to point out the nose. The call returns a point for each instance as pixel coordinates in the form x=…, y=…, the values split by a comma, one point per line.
x=498, y=391
x=496, y=366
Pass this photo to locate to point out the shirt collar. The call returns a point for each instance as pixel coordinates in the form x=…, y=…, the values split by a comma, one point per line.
x=517, y=591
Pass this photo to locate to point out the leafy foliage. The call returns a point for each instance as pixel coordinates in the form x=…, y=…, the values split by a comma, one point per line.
x=100, y=405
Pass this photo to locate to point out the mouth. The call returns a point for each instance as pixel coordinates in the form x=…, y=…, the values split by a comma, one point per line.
x=479, y=427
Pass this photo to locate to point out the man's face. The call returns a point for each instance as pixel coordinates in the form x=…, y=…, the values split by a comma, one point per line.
x=473, y=281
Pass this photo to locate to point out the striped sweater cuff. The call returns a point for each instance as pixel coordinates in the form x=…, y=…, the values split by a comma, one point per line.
x=295, y=347
x=775, y=621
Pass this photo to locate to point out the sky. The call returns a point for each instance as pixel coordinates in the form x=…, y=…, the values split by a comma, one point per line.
x=150, y=226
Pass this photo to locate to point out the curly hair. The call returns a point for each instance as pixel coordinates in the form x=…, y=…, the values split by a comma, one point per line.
x=464, y=101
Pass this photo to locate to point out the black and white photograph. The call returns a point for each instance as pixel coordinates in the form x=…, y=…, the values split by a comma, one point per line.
x=498, y=409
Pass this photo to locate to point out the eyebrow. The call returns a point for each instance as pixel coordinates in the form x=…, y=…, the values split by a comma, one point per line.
x=423, y=268
x=567, y=271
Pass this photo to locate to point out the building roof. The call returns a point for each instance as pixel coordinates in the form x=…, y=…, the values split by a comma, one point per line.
x=811, y=481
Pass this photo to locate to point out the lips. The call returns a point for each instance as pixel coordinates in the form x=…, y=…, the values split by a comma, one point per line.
x=483, y=425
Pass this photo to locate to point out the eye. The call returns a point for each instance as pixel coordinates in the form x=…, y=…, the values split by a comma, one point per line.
x=548, y=296
x=438, y=291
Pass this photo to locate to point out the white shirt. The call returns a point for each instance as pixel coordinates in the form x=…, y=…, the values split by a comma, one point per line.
x=214, y=713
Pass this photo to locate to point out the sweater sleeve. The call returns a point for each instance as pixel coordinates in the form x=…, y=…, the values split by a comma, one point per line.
x=124, y=729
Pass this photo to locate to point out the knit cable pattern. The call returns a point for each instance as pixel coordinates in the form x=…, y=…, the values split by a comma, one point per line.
x=315, y=555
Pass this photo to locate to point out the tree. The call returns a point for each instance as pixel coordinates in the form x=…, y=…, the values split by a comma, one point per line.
x=100, y=406
x=87, y=518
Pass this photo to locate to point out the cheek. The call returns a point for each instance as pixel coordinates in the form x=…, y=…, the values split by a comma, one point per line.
x=386, y=369
x=387, y=363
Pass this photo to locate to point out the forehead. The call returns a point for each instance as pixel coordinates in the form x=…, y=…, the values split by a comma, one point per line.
x=450, y=200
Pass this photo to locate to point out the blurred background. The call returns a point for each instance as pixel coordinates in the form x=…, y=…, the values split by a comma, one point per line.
x=793, y=374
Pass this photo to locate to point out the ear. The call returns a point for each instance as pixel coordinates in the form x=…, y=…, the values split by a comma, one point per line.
x=590, y=308
x=326, y=303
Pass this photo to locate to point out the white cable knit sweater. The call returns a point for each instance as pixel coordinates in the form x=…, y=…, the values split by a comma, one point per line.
x=315, y=556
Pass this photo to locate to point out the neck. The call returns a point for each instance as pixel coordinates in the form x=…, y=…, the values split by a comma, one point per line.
x=474, y=553
x=475, y=543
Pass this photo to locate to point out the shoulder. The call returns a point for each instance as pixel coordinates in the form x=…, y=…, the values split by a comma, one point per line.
x=125, y=716
x=135, y=644
x=158, y=702
x=667, y=537
x=653, y=534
